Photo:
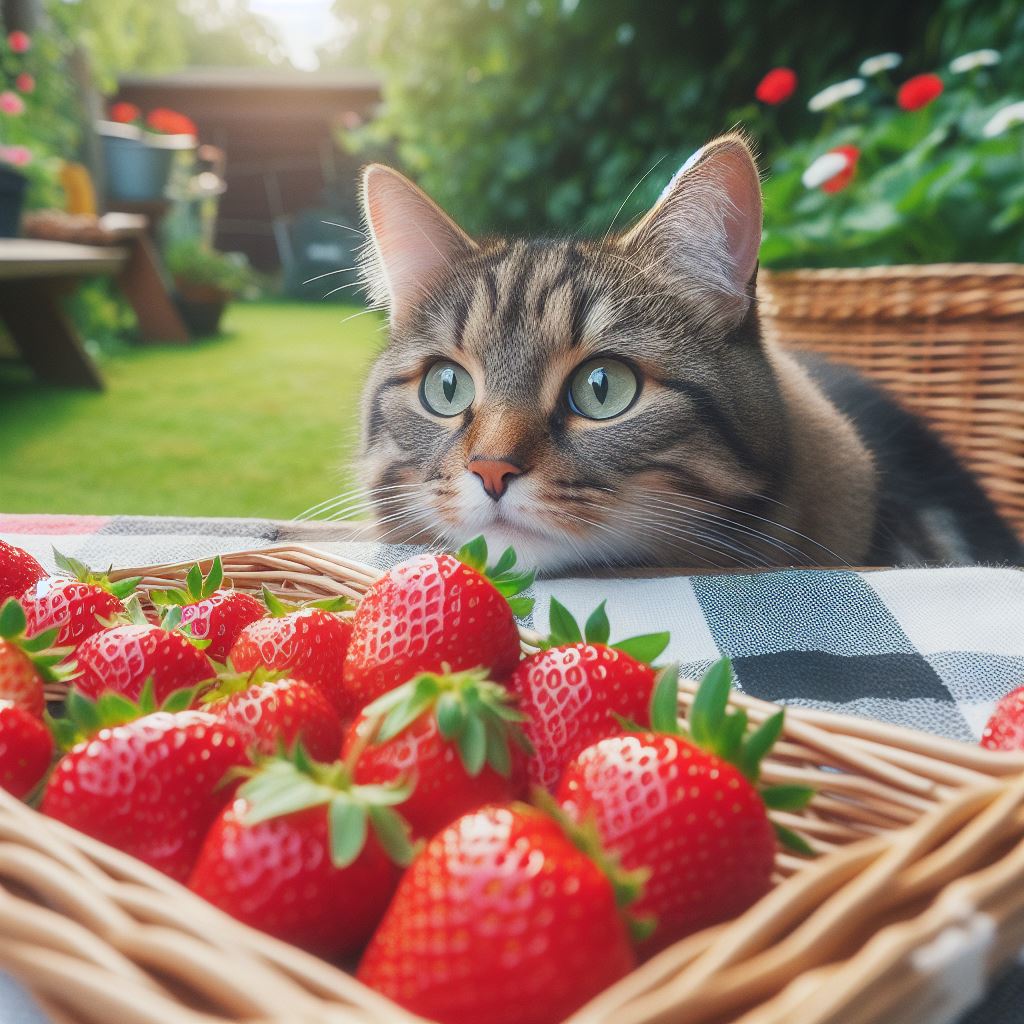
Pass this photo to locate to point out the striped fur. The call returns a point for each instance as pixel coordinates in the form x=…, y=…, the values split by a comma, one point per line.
x=731, y=455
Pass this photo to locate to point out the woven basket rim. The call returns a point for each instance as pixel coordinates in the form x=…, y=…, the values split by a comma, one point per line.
x=896, y=270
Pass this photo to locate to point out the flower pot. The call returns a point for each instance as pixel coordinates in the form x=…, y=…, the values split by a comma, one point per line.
x=12, y=199
x=201, y=306
x=138, y=164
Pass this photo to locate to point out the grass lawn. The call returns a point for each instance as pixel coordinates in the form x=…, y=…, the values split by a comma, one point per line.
x=257, y=422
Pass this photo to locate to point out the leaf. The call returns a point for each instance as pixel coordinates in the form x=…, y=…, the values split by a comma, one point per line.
x=392, y=833
x=194, y=581
x=512, y=583
x=472, y=744
x=504, y=563
x=665, y=701
x=474, y=554
x=730, y=738
x=124, y=588
x=82, y=712
x=451, y=716
x=347, y=828
x=179, y=700
x=12, y=619
x=497, y=748
x=758, y=743
x=712, y=698
x=274, y=604
x=402, y=715
x=172, y=618
x=791, y=840
x=628, y=724
x=215, y=578
x=597, y=630
x=521, y=606
x=115, y=709
x=72, y=566
x=787, y=798
x=564, y=628
x=644, y=648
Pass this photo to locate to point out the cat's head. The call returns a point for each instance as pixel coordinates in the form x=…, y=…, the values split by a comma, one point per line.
x=585, y=401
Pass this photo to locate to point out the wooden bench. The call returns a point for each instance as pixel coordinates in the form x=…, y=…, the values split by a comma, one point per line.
x=34, y=275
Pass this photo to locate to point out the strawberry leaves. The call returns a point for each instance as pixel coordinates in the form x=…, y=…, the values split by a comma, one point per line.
x=502, y=575
x=278, y=608
x=48, y=660
x=197, y=587
x=81, y=572
x=723, y=731
x=474, y=713
x=597, y=630
x=285, y=785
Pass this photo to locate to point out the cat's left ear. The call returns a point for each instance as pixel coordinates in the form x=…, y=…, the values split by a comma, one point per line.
x=412, y=241
x=706, y=225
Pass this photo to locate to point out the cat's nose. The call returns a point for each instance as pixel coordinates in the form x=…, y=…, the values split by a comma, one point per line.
x=494, y=474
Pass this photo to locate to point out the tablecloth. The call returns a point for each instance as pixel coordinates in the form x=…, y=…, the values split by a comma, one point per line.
x=931, y=649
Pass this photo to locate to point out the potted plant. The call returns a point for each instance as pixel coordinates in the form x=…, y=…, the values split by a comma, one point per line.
x=139, y=152
x=14, y=159
x=205, y=282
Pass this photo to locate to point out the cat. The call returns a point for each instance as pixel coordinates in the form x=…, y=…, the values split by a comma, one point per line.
x=613, y=402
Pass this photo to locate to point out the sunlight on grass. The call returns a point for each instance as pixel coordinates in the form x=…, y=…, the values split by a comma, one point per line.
x=259, y=422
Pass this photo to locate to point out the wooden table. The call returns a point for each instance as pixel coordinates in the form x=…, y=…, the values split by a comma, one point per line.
x=33, y=277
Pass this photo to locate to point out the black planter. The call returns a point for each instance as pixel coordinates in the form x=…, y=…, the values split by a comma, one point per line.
x=12, y=199
x=201, y=314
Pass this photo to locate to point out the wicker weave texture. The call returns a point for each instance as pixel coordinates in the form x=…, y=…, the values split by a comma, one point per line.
x=919, y=837
x=946, y=339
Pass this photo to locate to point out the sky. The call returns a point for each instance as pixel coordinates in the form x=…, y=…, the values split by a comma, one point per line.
x=303, y=24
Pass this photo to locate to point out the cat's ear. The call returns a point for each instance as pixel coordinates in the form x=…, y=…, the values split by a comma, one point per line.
x=706, y=225
x=411, y=241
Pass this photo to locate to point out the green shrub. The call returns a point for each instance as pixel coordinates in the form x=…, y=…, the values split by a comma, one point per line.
x=191, y=261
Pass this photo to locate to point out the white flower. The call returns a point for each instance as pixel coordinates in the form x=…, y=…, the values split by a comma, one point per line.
x=836, y=94
x=974, y=59
x=825, y=168
x=1002, y=120
x=882, y=62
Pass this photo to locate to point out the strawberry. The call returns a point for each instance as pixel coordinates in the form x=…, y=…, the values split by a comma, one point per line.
x=500, y=919
x=78, y=606
x=453, y=731
x=274, y=710
x=686, y=807
x=308, y=643
x=436, y=610
x=1005, y=729
x=572, y=691
x=18, y=571
x=26, y=749
x=26, y=664
x=121, y=658
x=150, y=787
x=206, y=611
x=305, y=855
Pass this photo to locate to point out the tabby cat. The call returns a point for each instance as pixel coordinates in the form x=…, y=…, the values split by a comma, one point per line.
x=613, y=402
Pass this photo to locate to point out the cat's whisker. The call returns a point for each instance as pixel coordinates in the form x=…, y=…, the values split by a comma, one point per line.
x=329, y=273
x=341, y=288
x=355, y=495
x=346, y=227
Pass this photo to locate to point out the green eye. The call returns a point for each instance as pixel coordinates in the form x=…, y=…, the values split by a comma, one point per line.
x=447, y=389
x=602, y=388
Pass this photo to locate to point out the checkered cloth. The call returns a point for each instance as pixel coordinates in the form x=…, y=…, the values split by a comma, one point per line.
x=930, y=649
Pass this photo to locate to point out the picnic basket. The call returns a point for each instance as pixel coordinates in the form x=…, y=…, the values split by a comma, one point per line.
x=921, y=869
x=945, y=338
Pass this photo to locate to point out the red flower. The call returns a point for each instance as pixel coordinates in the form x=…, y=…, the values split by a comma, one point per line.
x=125, y=113
x=19, y=41
x=777, y=86
x=845, y=176
x=170, y=122
x=919, y=91
x=25, y=82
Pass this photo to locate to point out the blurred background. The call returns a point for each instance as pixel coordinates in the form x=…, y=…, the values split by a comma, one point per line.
x=183, y=332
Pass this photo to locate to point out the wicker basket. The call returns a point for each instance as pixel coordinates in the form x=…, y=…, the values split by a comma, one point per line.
x=922, y=843
x=947, y=339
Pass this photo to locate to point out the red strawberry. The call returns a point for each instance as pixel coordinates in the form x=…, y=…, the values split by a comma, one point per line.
x=207, y=612
x=120, y=660
x=501, y=919
x=78, y=606
x=18, y=571
x=26, y=749
x=452, y=733
x=151, y=787
x=434, y=611
x=311, y=868
x=1005, y=729
x=572, y=692
x=308, y=643
x=275, y=711
x=27, y=663
x=689, y=813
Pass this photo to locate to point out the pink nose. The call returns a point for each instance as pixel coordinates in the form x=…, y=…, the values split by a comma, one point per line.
x=494, y=474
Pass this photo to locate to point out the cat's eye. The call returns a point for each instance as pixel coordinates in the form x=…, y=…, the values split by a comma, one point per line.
x=447, y=389
x=602, y=388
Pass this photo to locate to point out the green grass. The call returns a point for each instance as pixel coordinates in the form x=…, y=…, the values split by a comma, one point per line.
x=258, y=422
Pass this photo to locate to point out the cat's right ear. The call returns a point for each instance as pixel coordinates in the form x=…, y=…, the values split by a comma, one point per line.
x=411, y=241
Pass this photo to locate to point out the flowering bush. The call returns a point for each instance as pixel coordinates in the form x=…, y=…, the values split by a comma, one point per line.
x=12, y=103
x=169, y=122
x=903, y=169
